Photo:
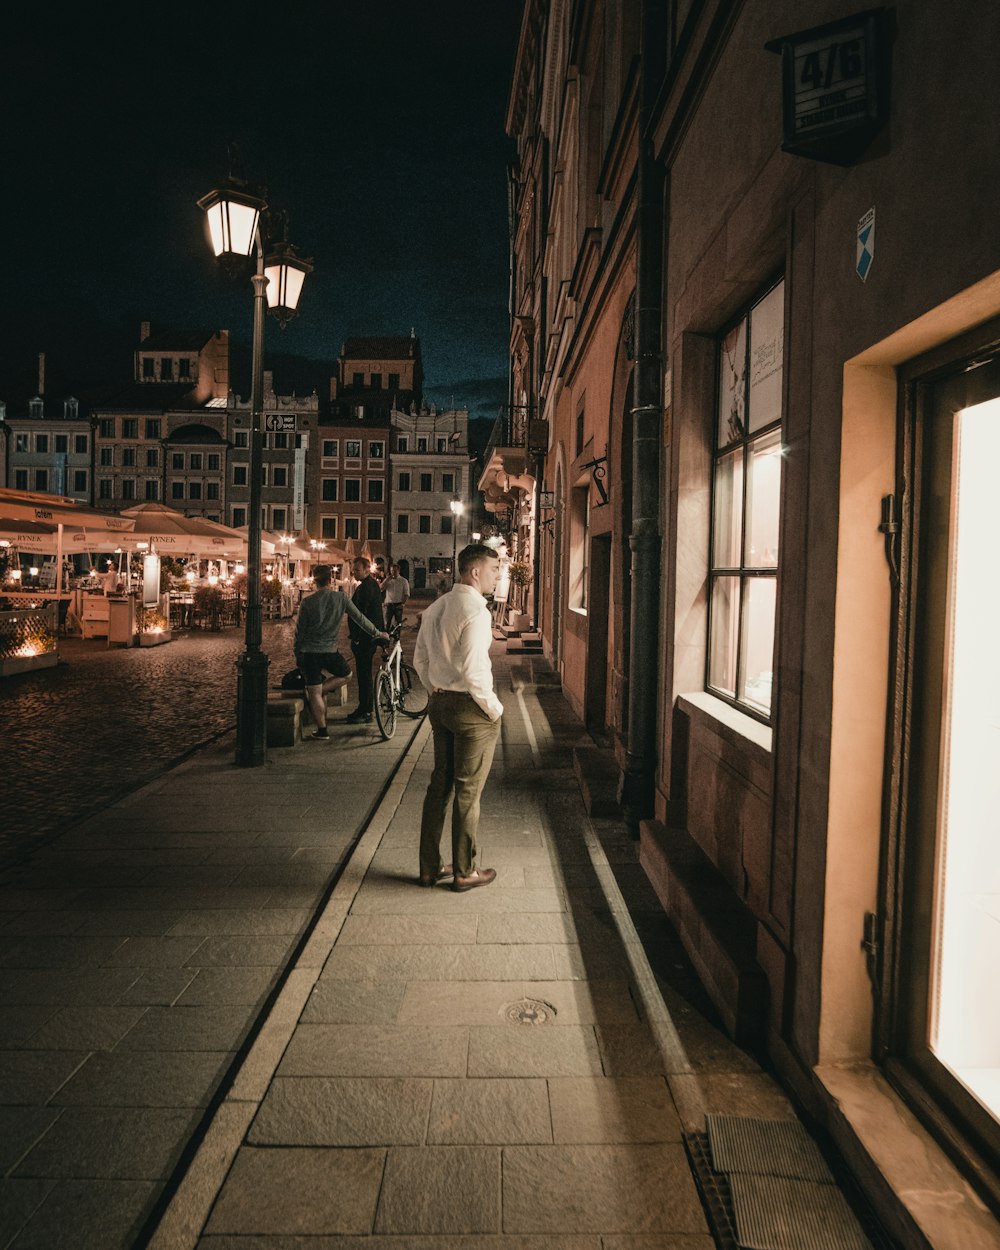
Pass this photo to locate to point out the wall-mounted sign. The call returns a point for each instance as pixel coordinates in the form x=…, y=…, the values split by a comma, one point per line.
x=835, y=85
x=547, y=498
x=277, y=421
x=865, y=250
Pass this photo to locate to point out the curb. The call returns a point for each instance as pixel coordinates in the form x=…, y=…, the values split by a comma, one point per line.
x=181, y=1224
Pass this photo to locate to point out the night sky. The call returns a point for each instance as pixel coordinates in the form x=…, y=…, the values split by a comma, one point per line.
x=378, y=126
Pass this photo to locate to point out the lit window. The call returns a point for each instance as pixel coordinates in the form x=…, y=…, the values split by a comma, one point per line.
x=376, y=449
x=746, y=494
x=352, y=449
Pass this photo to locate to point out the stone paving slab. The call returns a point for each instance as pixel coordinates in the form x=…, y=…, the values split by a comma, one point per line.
x=349, y=1111
x=102, y=1143
x=440, y=1189
x=489, y=1112
x=375, y=1050
x=609, y=1110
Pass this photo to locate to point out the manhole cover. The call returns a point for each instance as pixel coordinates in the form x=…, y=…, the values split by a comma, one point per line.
x=528, y=1011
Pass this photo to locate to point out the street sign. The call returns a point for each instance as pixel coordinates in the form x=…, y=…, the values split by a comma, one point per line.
x=279, y=421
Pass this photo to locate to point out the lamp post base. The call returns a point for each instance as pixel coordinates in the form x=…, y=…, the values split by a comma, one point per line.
x=251, y=709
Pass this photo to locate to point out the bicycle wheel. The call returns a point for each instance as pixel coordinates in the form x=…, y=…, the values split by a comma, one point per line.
x=385, y=704
x=412, y=695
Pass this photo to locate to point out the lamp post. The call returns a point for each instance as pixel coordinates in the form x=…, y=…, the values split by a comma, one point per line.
x=234, y=225
x=457, y=508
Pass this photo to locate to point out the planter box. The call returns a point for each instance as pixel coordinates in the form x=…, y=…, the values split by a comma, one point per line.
x=154, y=640
x=28, y=663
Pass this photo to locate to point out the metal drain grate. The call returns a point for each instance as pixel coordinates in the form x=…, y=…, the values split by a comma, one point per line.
x=766, y=1148
x=528, y=1011
x=774, y=1213
x=713, y=1188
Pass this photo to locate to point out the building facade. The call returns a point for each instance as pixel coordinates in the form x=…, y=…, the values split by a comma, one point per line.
x=349, y=483
x=795, y=404
x=430, y=468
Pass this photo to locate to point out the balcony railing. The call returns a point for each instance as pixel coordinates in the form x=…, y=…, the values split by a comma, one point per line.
x=510, y=429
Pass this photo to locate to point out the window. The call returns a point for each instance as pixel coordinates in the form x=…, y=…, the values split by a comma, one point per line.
x=81, y=444
x=214, y=462
x=359, y=380
x=402, y=523
x=239, y=475
x=328, y=526
x=373, y=527
x=211, y=490
x=424, y=524
x=71, y=409
x=176, y=490
x=421, y=444
x=148, y=367
x=80, y=480
x=152, y=427
x=128, y=457
x=194, y=490
x=107, y=457
x=579, y=572
x=41, y=443
x=352, y=449
x=446, y=524
x=36, y=407
x=404, y=481
x=448, y=482
x=376, y=489
x=278, y=518
x=104, y=488
x=263, y=475
x=166, y=369
x=328, y=489
x=184, y=369
x=128, y=488
x=152, y=458
x=62, y=444
x=241, y=438
x=130, y=427
x=281, y=442
x=376, y=382
x=196, y=461
x=177, y=460
x=279, y=475
x=746, y=494
x=442, y=444
x=352, y=489
x=376, y=449
x=152, y=488
x=402, y=442
x=352, y=527
x=239, y=517
x=331, y=446
x=579, y=434
x=393, y=381
x=41, y=479
x=427, y=481
x=107, y=427
x=20, y=479
x=22, y=443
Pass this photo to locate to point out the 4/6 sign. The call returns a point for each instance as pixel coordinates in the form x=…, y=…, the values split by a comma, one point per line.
x=274, y=422
x=835, y=86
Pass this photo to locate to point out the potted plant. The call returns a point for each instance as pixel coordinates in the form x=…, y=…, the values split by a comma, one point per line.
x=154, y=628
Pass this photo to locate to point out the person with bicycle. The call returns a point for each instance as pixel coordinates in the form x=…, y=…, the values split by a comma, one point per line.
x=367, y=598
x=317, y=633
x=452, y=659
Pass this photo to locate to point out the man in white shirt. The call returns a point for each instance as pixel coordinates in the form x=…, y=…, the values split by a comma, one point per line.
x=396, y=590
x=452, y=659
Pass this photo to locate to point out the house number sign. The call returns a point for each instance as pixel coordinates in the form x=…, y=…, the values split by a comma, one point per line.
x=835, y=86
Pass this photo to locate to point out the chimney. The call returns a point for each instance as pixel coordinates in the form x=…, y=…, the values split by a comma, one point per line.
x=143, y=331
x=41, y=373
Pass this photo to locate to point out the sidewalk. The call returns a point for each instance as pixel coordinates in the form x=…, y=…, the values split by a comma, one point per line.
x=521, y=1066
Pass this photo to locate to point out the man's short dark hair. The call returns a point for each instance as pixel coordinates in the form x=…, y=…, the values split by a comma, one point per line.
x=363, y=560
x=472, y=554
x=322, y=574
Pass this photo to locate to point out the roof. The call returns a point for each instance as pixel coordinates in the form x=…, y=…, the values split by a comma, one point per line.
x=382, y=347
x=195, y=434
x=176, y=341
x=146, y=397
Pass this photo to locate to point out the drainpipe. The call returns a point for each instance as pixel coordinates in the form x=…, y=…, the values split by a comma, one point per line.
x=647, y=423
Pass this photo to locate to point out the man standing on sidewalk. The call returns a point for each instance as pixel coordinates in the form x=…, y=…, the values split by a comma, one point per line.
x=368, y=601
x=396, y=590
x=452, y=659
x=316, y=636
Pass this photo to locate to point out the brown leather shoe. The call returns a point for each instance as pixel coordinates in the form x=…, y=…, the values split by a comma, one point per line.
x=478, y=876
x=445, y=871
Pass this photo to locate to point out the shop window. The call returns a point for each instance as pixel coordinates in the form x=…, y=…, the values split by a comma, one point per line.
x=746, y=496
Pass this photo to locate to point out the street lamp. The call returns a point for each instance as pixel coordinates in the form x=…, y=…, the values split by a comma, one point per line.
x=234, y=222
x=457, y=508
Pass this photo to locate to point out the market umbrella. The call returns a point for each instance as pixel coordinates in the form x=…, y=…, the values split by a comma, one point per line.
x=60, y=512
x=169, y=532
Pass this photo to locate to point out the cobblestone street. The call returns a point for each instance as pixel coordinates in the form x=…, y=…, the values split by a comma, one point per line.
x=107, y=720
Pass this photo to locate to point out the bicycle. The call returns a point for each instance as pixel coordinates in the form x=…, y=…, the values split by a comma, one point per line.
x=397, y=687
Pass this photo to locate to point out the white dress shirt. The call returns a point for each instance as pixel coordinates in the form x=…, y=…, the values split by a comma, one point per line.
x=453, y=647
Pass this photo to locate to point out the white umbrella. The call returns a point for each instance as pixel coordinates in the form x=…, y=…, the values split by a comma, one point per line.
x=58, y=511
x=169, y=532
